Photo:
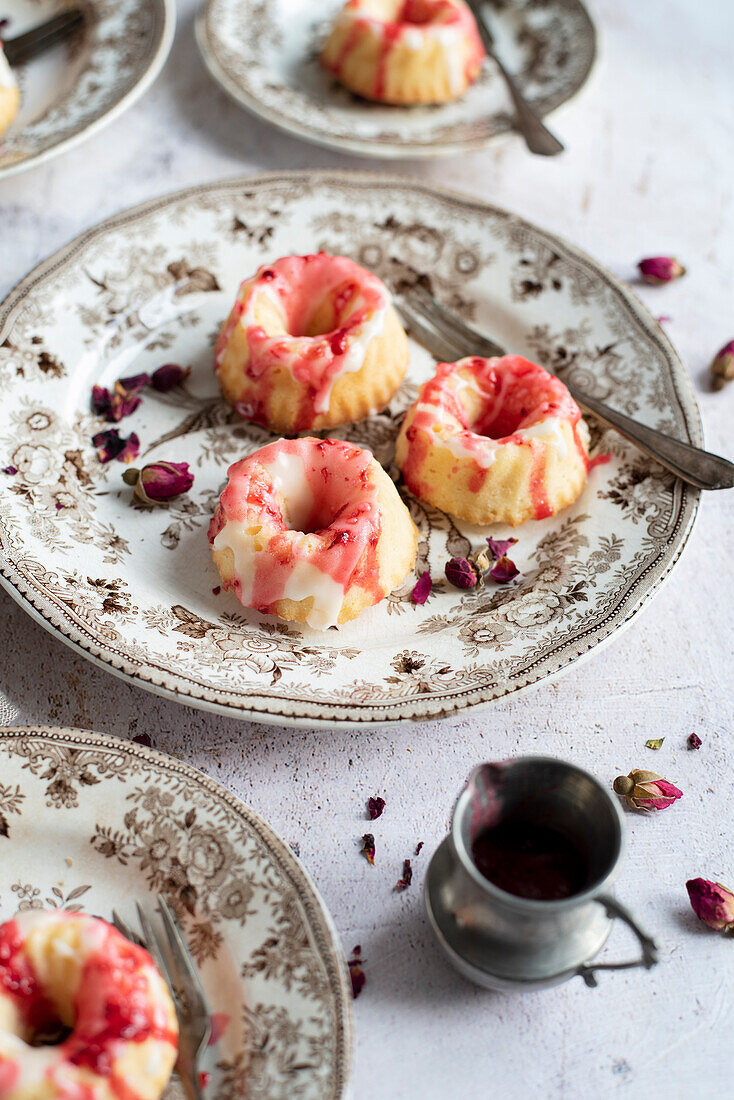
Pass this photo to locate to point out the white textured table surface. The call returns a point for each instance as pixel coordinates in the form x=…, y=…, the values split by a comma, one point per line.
x=649, y=169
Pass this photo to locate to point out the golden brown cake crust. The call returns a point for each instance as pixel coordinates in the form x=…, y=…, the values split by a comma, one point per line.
x=494, y=441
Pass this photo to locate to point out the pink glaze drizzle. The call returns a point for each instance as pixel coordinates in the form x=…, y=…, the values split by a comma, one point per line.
x=300, y=284
x=345, y=518
x=409, y=16
x=514, y=395
x=112, y=1005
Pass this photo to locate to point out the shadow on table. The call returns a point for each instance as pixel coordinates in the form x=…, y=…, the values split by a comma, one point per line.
x=230, y=128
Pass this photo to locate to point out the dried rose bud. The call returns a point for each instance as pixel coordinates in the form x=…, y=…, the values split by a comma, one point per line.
x=368, y=848
x=461, y=573
x=422, y=589
x=712, y=903
x=694, y=741
x=504, y=570
x=375, y=806
x=356, y=973
x=159, y=481
x=657, y=270
x=722, y=367
x=645, y=790
x=111, y=445
x=407, y=877
x=168, y=376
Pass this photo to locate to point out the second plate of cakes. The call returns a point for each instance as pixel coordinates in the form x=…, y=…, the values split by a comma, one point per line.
x=134, y=585
x=392, y=78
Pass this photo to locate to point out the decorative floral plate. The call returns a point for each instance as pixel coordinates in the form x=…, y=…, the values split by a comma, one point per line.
x=264, y=53
x=75, y=89
x=91, y=823
x=136, y=590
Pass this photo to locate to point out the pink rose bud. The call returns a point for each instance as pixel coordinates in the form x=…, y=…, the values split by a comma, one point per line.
x=657, y=270
x=722, y=367
x=712, y=903
x=643, y=790
x=160, y=481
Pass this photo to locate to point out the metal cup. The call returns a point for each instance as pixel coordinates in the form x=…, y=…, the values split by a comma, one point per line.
x=502, y=941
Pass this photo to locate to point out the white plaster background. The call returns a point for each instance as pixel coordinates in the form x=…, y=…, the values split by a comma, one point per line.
x=649, y=168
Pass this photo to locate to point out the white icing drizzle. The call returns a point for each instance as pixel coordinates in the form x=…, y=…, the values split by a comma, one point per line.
x=482, y=450
x=7, y=79
x=451, y=41
x=353, y=358
x=550, y=431
x=291, y=484
x=304, y=578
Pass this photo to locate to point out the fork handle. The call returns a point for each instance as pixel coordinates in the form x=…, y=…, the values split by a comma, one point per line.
x=538, y=137
x=190, y=1083
x=691, y=464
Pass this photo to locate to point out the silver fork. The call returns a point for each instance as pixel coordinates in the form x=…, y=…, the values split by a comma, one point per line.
x=449, y=338
x=174, y=961
x=538, y=137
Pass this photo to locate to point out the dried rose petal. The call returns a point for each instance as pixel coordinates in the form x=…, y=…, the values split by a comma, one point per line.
x=131, y=450
x=368, y=848
x=712, y=903
x=418, y=847
x=159, y=481
x=407, y=876
x=100, y=400
x=134, y=384
x=216, y=590
x=121, y=405
x=422, y=589
x=657, y=270
x=498, y=547
x=654, y=743
x=110, y=445
x=504, y=570
x=722, y=367
x=645, y=790
x=375, y=806
x=11, y=470
x=461, y=573
x=168, y=376
x=143, y=739
x=355, y=972
x=694, y=741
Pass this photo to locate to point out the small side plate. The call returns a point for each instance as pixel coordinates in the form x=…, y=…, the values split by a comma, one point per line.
x=264, y=53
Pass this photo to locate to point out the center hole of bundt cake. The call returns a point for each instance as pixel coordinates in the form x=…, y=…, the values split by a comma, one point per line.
x=311, y=519
x=49, y=1034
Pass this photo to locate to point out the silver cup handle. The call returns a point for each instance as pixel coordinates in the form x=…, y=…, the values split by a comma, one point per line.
x=649, y=950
